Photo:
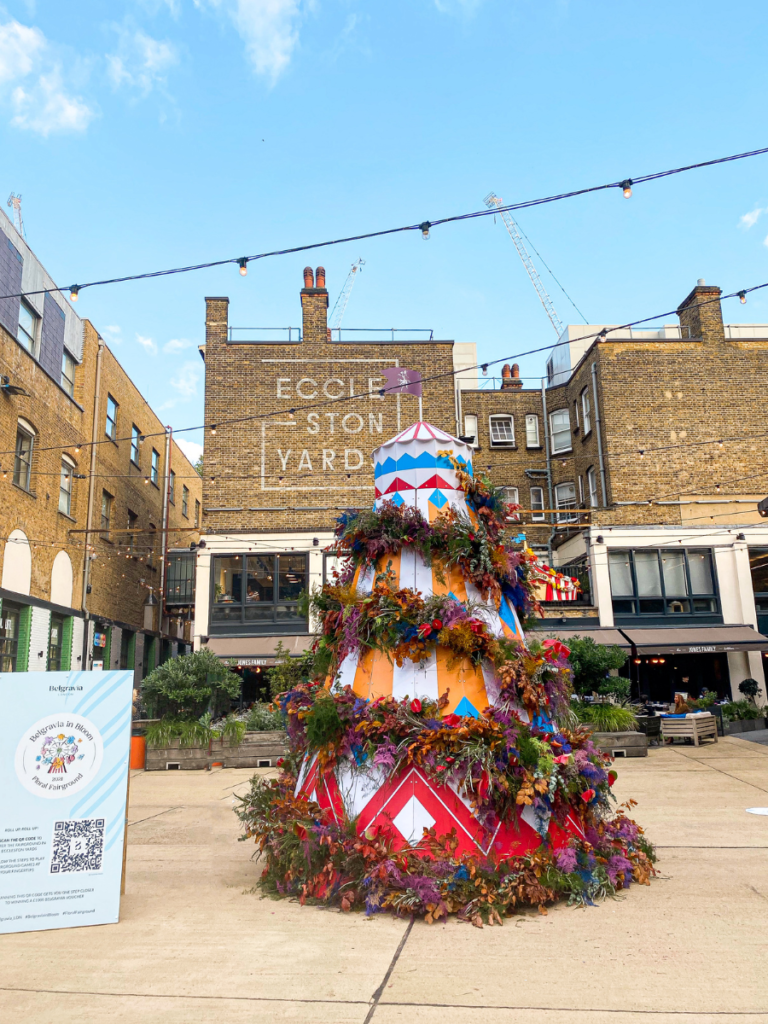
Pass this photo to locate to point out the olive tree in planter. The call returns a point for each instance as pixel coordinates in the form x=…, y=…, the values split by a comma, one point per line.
x=592, y=665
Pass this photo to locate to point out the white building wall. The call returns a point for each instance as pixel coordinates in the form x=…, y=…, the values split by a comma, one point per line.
x=78, y=631
x=39, y=636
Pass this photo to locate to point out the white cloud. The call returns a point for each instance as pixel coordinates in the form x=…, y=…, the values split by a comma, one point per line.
x=19, y=49
x=269, y=29
x=112, y=334
x=457, y=6
x=140, y=61
x=39, y=97
x=750, y=219
x=191, y=449
x=176, y=345
x=185, y=381
x=147, y=344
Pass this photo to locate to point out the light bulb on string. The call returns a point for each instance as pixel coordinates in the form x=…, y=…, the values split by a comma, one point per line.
x=74, y=291
x=213, y=429
x=243, y=264
x=484, y=368
x=626, y=187
x=424, y=229
x=743, y=298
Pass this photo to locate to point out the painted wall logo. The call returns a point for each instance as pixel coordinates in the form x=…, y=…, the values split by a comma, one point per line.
x=59, y=755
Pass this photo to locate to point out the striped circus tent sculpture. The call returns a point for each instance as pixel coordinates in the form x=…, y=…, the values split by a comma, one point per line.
x=417, y=468
x=552, y=585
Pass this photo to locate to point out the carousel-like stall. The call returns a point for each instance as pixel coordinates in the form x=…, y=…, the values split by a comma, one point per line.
x=435, y=765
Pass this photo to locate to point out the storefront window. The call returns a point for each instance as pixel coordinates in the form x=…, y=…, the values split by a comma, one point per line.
x=258, y=593
x=664, y=582
x=9, y=636
x=55, y=643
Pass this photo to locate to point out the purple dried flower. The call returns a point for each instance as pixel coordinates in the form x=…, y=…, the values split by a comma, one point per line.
x=567, y=859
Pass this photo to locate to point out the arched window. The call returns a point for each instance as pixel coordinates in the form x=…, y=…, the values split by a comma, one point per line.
x=61, y=580
x=17, y=563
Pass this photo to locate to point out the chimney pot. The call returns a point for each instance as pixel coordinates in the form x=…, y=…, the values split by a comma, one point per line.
x=320, y=277
x=309, y=279
x=510, y=377
x=701, y=281
x=515, y=370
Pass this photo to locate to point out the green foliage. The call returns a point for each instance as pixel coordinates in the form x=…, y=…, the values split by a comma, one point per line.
x=289, y=672
x=742, y=711
x=187, y=687
x=191, y=733
x=750, y=688
x=706, y=700
x=591, y=664
x=323, y=723
x=617, y=687
x=263, y=718
x=607, y=717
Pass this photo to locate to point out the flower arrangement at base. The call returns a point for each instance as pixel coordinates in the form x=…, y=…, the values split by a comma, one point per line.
x=435, y=766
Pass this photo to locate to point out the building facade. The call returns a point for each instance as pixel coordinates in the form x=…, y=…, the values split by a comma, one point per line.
x=636, y=444
x=95, y=495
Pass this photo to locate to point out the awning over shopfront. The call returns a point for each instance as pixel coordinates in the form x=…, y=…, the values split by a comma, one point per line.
x=256, y=651
x=600, y=634
x=694, y=639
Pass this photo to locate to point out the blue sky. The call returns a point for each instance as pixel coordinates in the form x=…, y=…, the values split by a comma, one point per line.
x=156, y=133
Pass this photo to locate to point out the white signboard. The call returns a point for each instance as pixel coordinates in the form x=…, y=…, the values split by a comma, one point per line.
x=64, y=751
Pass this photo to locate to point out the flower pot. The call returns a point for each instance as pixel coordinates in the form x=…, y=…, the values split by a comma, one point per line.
x=217, y=764
x=138, y=752
x=743, y=725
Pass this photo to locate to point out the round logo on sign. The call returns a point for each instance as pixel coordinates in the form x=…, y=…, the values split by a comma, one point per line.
x=59, y=755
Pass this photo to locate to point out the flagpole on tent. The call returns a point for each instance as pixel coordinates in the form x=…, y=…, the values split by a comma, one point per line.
x=421, y=413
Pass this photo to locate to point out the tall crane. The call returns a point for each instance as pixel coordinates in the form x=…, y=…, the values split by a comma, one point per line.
x=14, y=201
x=493, y=201
x=337, y=312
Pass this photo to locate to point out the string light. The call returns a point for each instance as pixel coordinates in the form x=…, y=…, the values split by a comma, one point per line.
x=626, y=183
x=74, y=291
x=213, y=428
x=424, y=229
x=243, y=263
x=626, y=187
x=743, y=297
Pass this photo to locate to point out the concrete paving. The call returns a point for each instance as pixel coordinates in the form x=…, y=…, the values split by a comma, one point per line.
x=196, y=943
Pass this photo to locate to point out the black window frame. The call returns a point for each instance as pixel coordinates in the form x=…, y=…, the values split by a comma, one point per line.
x=135, y=442
x=68, y=383
x=197, y=512
x=34, y=338
x=66, y=485
x=111, y=420
x=154, y=468
x=106, y=519
x=172, y=487
x=55, y=650
x=240, y=625
x=185, y=501
x=9, y=645
x=19, y=460
x=623, y=614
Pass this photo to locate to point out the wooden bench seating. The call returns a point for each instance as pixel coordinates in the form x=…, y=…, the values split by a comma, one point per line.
x=701, y=726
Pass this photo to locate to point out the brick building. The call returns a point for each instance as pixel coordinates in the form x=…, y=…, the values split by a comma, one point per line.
x=636, y=440
x=93, y=493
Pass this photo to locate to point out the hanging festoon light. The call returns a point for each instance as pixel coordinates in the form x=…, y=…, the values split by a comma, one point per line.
x=213, y=428
x=424, y=229
x=74, y=291
x=626, y=187
x=243, y=264
x=743, y=297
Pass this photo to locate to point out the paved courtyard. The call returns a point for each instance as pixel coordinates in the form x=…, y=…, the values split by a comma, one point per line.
x=194, y=943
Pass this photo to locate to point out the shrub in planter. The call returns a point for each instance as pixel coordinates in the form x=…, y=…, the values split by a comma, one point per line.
x=742, y=711
x=591, y=664
x=263, y=718
x=607, y=717
x=189, y=733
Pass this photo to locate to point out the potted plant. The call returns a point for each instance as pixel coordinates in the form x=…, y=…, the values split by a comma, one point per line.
x=614, y=727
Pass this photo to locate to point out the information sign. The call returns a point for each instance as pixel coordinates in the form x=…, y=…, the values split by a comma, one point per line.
x=64, y=754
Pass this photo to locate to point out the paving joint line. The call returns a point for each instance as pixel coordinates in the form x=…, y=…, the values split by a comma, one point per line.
x=151, y=816
x=727, y=774
x=380, y=990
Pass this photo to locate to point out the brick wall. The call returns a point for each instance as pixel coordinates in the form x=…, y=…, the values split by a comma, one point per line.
x=295, y=470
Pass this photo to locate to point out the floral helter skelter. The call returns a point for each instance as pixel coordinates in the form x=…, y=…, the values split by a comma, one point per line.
x=435, y=765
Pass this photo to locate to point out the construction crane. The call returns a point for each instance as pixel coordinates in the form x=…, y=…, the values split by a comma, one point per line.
x=337, y=313
x=492, y=201
x=14, y=201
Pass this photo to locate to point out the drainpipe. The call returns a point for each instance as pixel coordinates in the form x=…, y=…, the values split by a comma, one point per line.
x=91, y=493
x=549, y=468
x=166, y=513
x=599, y=434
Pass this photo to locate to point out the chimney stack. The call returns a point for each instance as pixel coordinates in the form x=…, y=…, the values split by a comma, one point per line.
x=510, y=378
x=702, y=315
x=314, y=307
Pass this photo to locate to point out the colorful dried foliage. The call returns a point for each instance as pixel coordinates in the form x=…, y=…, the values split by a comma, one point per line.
x=499, y=762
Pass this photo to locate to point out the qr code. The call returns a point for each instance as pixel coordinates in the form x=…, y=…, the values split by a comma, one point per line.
x=78, y=845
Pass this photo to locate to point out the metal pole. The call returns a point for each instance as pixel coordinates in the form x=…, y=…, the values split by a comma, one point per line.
x=166, y=516
x=91, y=489
x=549, y=468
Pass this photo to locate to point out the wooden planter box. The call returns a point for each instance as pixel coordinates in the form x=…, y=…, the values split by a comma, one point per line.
x=622, y=744
x=258, y=750
x=748, y=725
